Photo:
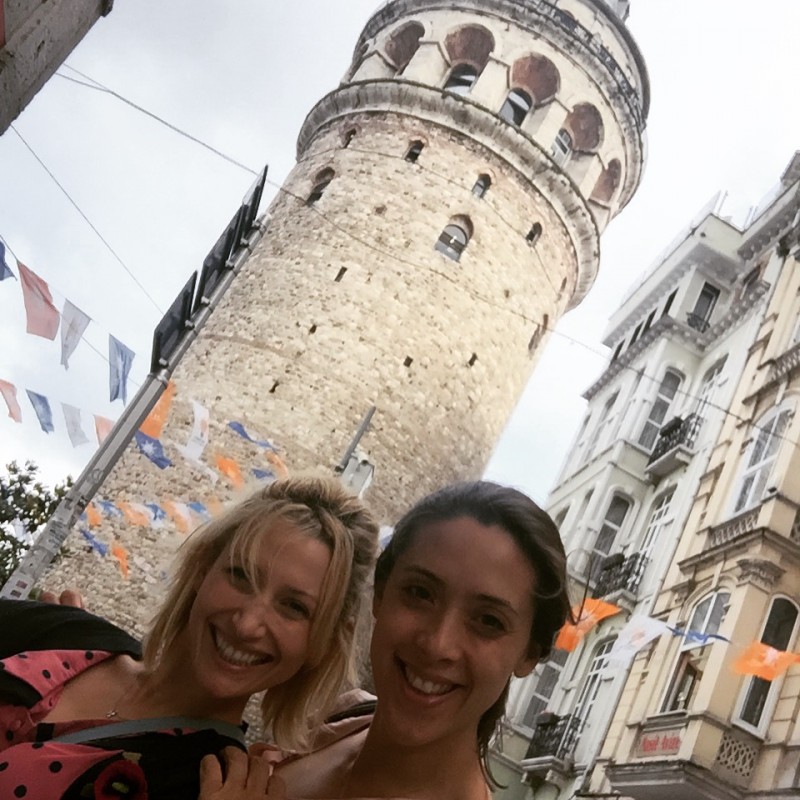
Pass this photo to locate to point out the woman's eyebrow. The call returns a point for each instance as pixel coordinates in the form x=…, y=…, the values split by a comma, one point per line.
x=421, y=572
x=497, y=601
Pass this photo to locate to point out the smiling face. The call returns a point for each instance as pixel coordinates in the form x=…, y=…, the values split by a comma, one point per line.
x=452, y=624
x=246, y=635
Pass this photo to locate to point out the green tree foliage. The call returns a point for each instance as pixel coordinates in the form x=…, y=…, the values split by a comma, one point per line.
x=24, y=498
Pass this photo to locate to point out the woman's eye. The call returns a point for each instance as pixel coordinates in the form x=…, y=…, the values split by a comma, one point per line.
x=297, y=609
x=238, y=577
x=492, y=623
x=416, y=592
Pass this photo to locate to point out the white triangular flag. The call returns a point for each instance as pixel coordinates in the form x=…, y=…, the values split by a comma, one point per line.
x=73, y=323
x=639, y=631
x=72, y=416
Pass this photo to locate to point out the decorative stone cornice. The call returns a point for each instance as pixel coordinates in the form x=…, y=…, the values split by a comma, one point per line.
x=767, y=228
x=759, y=572
x=465, y=118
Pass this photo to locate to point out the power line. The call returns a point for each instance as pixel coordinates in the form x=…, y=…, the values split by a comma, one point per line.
x=87, y=220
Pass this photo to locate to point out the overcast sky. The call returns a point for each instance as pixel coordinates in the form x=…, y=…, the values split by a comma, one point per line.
x=241, y=76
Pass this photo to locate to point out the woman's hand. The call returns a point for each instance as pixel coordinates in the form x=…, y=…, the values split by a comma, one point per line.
x=69, y=597
x=245, y=778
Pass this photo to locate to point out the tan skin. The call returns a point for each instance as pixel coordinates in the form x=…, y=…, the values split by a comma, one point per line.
x=458, y=619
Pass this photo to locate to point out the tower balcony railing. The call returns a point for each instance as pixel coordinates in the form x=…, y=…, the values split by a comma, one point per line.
x=621, y=574
x=675, y=445
x=554, y=737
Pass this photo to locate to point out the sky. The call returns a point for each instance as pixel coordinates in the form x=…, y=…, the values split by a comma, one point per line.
x=241, y=77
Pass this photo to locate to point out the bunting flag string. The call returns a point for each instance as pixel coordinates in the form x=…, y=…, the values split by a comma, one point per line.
x=237, y=427
x=152, y=449
x=230, y=469
x=42, y=409
x=102, y=427
x=157, y=418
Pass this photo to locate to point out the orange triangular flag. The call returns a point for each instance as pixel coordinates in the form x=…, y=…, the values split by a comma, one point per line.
x=154, y=423
x=763, y=661
x=214, y=505
x=179, y=514
x=9, y=392
x=121, y=554
x=134, y=515
x=587, y=615
x=102, y=427
x=275, y=461
x=230, y=469
x=93, y=516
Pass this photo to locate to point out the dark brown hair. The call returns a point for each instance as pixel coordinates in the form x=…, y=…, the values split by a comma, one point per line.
x=536, y=536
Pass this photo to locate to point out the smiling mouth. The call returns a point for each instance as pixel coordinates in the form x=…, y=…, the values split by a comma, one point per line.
x=423, y=686
x=235, y=657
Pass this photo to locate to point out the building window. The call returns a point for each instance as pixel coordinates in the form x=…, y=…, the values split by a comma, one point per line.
x=636, y=332
x=760, y=459
x=605, y=424
x=617, y=351
x=516, y=107
x=660, y=408
x=660, y=520
x=534, y=234
x=543, y=687
x=779, y=631
x=562, y=147
x=649, y=321
x=481, y=186
x=453, y=240
x=413, y=152
x=703, y=308
x=704, y=623
x=590, y=687
x=708, y=388
x=614, y=520
x=321, y=183
x=403, y=44
x=668, y=304
x=461, y=79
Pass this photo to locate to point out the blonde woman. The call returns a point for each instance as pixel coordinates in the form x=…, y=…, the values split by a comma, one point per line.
x=265, y=597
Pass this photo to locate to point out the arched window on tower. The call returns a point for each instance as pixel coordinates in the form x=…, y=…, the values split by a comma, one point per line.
x=454, y=239
x=347, y=139
x=534, y=234
x=481, y=186
x=516, y=107
x=403, y=43
x=321, y=183
x=413, y=152
x=562, y=147
x=461, y=79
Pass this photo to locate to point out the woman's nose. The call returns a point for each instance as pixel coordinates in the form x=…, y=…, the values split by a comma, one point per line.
x=253, y=618
x=441, y=637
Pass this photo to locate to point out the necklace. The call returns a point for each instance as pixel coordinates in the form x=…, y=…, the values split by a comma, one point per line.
x=113, y=712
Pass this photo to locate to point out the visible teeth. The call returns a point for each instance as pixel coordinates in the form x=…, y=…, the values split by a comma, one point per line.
x=233, y=656
x=426, y=687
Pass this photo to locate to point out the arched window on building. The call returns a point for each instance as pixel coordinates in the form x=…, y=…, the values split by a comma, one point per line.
x=779, y=633
x=659, y=521
x=454, y=239
x=534, y=234
x=544, y=682
x=612, y=524
x=660, y=408
x=590, y=687
x=708, y=388
x=605, y=424
x=695, y=646
x=481, y=186
x=516, y=106
x=414, y=150
x=321, y=183
x=347, y=139
x=760, y=458
x=562, y=147
x=461, y=79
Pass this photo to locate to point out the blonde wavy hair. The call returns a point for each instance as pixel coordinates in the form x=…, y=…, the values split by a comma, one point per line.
x=319, y=507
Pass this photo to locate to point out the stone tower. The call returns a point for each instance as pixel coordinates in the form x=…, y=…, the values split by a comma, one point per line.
x=443, y=213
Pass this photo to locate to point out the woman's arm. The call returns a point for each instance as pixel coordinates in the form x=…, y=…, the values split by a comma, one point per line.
x=237, y=776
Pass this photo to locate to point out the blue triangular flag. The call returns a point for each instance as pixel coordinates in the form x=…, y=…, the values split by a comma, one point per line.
x=120, y=359
x=200, y=509
x=96, y=544
x=240, y=429
x=263, y=474
x=5, y=270
x=159, y=515
x=152, y=448
x=42, y=408
x=109, y=508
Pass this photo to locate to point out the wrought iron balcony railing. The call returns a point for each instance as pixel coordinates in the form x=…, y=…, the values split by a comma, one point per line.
x=697, y=322
x=554, y=736
x=621, y=573
x=677, y=433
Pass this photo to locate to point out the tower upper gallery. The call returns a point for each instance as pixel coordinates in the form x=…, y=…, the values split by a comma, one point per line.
x=557, y=91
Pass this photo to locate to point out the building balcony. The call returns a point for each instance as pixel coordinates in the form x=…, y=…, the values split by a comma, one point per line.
x=621, y=574
x=696, y=322
x=675, y=446
x=785, y=363
x=552, y=745
x=733, y=529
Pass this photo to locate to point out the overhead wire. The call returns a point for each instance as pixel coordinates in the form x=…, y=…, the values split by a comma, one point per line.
x=388, y=254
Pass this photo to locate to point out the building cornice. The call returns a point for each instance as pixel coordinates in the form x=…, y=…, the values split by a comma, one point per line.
x=463, y=117
x=764, y=232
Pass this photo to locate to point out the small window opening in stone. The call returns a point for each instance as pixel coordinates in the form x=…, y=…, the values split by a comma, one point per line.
x=408, y=361
x=340, y=274
x=472, y=359
x=312, y=329
x=562, y=147
x=537, y=334
x=481, y=186
x=321, y=183
x=453, y=241
x=516, y=107
x=348, y=137
x=563, y=285
x=461, y=79
x=274, y=387
x=534, y=234
x=414, y=151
